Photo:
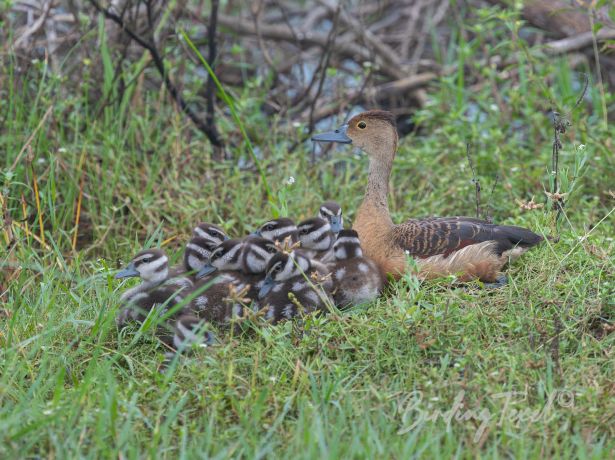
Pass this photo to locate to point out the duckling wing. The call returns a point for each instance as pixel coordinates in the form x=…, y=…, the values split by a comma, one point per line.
x=444, y=235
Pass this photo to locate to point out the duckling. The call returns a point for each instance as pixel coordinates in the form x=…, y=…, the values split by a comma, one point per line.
x=197, y=253
x=316, y=237
x=331, y=211
x=471, y=247
x=278, y=230
x=219, y=277
x=286, y=274
x=210, y=232
x=356, y=278
x=158, y=286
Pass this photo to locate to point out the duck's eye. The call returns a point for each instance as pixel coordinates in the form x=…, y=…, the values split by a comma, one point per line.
x=271, y=249
x=304, y=231
x=362, y=125
x=269, y=227
x=215, y=255
x=277, y=268
x=147, y=260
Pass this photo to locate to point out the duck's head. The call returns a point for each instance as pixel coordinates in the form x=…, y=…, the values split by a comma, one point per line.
x=315, y=234
x=347, y=245
x=283, y=266
x=256, y=254
x=210, y=232
x=374, y=132
x=332, y=211
x=278, y=230
x=151, y=265
x=226, y=256
x=197, y=253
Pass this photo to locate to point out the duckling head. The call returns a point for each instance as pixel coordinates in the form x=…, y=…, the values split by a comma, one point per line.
x=332, y=212
x=374, y=132
x=347, y=245
x=197, y=253
x=226, y=256
x=283, y=266
x=278, y=230
x=210, y=232
x=315, y=234
x=151, y=265
x=256, y=254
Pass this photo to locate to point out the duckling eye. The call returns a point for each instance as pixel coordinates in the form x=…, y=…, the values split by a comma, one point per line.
x=271, y=249
x=269, y=227
x=362, y=125
x=215, y=255
x=277, y=268
x=304, y=231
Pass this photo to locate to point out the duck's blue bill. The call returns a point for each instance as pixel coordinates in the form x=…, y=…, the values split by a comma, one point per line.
x=128, y=272
x=339, y=135
x=336, y=224
x=256, y=233
x=226, y=238
x=206, y=270
x=266, y=287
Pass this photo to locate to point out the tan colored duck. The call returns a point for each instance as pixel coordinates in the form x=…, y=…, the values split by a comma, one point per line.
x=468, y=247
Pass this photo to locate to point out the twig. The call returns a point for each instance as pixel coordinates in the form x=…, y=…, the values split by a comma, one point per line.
x=203, y=126
x=475, y=181
x=211, y=86
x=323, y=70
x=35, y=27
x=31, y=137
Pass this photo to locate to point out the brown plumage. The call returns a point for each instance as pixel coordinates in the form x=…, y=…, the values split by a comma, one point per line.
x=468, y=247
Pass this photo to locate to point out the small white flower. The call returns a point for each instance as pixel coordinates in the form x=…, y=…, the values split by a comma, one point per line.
x=47, y=412
x=435, y=398
x=296, y=124
x=290, y=180
x=407, y=252
x=272, y=379
x=581, y=146
x=61, y=150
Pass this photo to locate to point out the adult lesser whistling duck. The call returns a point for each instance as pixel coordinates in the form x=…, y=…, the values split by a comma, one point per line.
x=472, y=248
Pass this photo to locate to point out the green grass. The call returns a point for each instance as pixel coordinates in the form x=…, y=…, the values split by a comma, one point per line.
x=359, y=384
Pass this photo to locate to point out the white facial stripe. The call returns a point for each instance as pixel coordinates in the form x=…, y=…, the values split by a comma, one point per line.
x=347, y=240
x=256, y=264
x=281, y=231
x=198, y=249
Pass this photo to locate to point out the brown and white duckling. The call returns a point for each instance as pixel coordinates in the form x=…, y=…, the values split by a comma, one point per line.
x=286, y=274
x=278, y=230
x=356, y=279
x=219, y=277
x=331, y=211
x=158, y=286
x=197, y=253
x=210, y=232
x=316, y=238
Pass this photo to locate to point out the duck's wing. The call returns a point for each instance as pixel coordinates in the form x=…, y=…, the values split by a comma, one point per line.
x=444, y=235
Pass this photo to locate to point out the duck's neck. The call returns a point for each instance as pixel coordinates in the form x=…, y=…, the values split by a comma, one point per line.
x=378, y=184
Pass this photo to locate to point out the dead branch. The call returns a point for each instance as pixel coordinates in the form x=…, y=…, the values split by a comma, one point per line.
x=158, y=61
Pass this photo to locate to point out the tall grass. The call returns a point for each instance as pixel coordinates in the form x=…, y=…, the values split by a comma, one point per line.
x=364, y=383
